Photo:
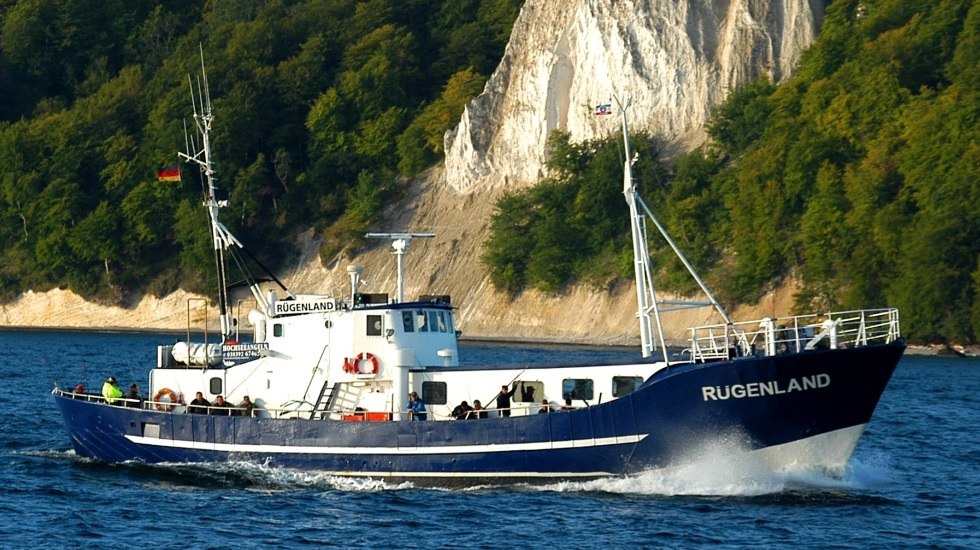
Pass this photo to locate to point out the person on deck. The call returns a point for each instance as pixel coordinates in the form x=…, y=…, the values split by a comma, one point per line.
x=199, y=405
x=416, y=408
x=545, y=407
x=110, y=391
x=463, y=411
x=503, y=401
x=133, y=397
x=478, y=410
x=220, y=406
x=247, y=407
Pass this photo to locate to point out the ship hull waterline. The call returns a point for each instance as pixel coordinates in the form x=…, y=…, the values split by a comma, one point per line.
x=801, y=411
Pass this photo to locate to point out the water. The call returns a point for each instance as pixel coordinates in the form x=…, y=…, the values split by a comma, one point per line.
x=913, y=482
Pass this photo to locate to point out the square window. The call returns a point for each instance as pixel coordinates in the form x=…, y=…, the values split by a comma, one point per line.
x=374, y=325
x=625, y=385
x=577, y=388
x=434, y=393
x=526, y=391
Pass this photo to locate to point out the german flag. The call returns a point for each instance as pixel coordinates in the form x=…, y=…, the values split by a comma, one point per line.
x=170, y=173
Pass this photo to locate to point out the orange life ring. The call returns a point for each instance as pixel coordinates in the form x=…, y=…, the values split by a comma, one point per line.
x=364, y=356
x=170, y=394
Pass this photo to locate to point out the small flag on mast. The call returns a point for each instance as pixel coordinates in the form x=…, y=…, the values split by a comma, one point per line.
x=604, y=109
x=170, y=173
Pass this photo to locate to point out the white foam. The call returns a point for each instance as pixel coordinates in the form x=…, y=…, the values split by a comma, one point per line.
x=725, y=468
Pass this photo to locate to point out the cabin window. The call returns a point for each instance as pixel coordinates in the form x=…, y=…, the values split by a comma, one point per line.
x=407, y=322
x=374, y=325
x=420, y=315
x=526, y=391
x=434, y=393
x=434, y=321
x=625, y=385
x=214, y=386
x=577, y=388
x=277, y=330
x=442, y=322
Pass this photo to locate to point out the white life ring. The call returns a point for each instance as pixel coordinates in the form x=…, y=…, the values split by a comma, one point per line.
x=163, y=406
x=364, y=356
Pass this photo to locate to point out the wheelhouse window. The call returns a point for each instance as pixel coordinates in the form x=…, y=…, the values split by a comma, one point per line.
x=443, y=326
x=408, y=323
x=577, y=388
x=374, y=325
x=625, y=385
x=434, y=393
x=420, y=318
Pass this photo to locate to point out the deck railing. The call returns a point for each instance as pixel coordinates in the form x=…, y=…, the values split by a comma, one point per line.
x=302, y=411
x=777, y=336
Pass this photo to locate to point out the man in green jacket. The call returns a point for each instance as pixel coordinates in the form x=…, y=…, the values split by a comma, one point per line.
x=110, y=391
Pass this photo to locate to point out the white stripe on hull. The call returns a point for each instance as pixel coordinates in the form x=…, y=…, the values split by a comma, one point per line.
x=830, y=451
x=435, y=450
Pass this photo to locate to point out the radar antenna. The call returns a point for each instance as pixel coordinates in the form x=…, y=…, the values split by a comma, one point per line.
x=399, y=245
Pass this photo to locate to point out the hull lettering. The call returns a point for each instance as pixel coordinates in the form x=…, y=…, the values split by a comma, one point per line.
x=763, y=389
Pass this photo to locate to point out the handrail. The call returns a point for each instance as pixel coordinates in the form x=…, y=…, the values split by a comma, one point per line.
x=181, y=408
x=855, y=328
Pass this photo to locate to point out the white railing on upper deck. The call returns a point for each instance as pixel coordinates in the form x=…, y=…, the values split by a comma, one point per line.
x=768, y=336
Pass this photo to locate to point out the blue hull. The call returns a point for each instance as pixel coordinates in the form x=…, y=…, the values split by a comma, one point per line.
x=766, y=401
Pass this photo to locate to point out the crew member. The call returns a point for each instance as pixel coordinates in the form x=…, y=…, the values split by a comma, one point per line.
x=110, y=391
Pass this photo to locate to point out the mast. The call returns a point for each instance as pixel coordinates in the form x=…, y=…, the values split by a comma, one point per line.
x=200, y=154
x=646, y=299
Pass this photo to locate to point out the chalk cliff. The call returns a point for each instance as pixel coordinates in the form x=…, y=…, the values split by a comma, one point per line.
x=676, y=59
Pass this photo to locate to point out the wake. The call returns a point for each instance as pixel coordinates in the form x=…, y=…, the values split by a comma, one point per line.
x=719, y=470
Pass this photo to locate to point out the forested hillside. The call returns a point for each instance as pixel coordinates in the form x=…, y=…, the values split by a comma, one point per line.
x=321, y=106
x=859, y=175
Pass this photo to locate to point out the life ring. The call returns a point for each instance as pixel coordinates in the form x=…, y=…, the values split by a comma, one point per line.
x=161, y=406
x=364, y=356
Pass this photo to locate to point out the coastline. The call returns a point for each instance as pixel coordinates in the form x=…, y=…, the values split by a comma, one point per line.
x=938, y=350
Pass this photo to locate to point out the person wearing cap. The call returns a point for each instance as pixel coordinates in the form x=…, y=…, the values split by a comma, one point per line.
x=503, y=401
x=416, y=408
x=247, y=407
x=110, y=391
x=463, y=411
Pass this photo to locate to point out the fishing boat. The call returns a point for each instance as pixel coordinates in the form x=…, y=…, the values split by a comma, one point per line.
x=334, y=382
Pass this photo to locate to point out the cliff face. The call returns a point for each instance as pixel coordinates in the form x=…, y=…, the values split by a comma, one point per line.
x=676, y=60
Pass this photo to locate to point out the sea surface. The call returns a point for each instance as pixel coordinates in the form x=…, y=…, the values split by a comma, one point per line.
x=913, y=482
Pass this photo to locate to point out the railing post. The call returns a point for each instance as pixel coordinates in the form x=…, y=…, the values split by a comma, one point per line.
x=769, y=332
